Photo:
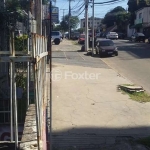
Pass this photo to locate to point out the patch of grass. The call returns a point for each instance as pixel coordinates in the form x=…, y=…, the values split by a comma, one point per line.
x=138, y=96
x=144, y=141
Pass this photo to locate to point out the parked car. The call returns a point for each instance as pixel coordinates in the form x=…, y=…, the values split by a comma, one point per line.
x=149, y=40
x=112, y=35
x=75, y=35
x=138, y=37
x=106, y=47
x=121, y=35
x=56, y=37
x=81, y=39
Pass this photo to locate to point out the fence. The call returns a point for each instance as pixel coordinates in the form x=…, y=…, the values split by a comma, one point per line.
x=25, y=84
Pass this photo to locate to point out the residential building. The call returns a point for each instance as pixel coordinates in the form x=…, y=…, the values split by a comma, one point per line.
x=142, y=21
x=97, y=22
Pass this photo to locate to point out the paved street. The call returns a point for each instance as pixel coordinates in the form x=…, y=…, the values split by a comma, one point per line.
x=132, y=62
x=93, y=114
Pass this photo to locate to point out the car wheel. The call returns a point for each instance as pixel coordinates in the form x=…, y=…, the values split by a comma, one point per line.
x=57, y=41
x=100, y=54
x=116, y=54
x=96, y=52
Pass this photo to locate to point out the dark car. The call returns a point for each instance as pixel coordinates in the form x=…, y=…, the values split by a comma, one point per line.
x=138, y=37
x=81, y=39
x=106, y=47
x=149, y=40
x=121, y=35
x=75, y=36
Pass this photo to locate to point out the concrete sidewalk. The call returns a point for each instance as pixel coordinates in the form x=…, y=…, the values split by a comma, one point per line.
x=92, y=114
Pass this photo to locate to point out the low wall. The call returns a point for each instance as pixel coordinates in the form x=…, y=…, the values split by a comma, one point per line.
x=29, y=137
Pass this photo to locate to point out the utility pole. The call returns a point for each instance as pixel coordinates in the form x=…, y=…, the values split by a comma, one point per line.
x=86, y=26
x=63, y=12
x=69, y=18
x=38, y=15
x=93, y=23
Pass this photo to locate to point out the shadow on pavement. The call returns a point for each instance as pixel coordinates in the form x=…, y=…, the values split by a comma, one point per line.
x=137, y=50
x=100, y=138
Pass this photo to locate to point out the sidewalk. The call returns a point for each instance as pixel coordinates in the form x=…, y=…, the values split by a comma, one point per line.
x=91, y=114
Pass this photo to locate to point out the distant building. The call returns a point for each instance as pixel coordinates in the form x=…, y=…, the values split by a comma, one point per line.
x=142, y=21
x=97, y=22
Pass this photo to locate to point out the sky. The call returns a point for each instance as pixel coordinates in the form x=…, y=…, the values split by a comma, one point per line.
x=100, y=10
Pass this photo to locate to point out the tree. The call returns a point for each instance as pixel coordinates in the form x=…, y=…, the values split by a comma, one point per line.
x=114, y=16
x=74, y=21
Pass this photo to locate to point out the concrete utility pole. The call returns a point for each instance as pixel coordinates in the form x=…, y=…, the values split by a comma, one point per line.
x=69, y=18
x=86, y=26
x=38, y=15
x=93, y=23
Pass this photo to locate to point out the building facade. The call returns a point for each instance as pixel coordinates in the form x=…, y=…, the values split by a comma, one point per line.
x=142, y=21
x=97, y=22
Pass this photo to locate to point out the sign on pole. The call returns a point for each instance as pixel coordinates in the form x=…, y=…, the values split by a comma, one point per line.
x=55, y=14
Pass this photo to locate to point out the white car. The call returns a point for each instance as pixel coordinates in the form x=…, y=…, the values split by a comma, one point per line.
x=112, y=35
x=56, y=37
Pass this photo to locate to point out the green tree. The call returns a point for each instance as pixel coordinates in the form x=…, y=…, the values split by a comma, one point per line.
x=74, y=21
x=112, y=16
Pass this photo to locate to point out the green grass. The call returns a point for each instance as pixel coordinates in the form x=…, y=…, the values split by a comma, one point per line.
x=140, y=97
x=137, y=96
x=144, y=141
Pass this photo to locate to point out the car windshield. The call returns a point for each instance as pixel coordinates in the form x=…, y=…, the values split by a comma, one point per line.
x=106, y=43
x=55, y=33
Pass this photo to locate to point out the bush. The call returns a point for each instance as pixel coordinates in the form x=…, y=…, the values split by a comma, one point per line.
x=21, y=43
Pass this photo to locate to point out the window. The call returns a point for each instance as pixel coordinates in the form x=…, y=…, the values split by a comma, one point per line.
x=55, y=33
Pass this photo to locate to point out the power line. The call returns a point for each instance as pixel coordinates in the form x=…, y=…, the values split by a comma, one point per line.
x=112, y=1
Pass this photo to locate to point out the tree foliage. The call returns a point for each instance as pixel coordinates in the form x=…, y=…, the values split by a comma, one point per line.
x=117, y=16
x=74, y=21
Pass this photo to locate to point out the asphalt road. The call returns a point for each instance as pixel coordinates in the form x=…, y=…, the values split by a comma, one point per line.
x=133, y=62
x=70, y=54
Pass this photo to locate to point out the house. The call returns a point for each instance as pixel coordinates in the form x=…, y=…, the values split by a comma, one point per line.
x=142, y=21
x=97, y=22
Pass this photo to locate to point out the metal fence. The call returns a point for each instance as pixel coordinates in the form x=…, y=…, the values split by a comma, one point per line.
x=25, y=79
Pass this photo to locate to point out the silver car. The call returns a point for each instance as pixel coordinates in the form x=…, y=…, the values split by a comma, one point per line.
x=106, y=47
x=112, y=35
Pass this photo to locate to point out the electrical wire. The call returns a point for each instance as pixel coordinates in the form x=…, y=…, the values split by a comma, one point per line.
x=76, y=11
x=81, y=12
x=75, y=5
x=108, y=2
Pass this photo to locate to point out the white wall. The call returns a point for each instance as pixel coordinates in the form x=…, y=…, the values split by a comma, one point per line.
x=130, y=31
x=145, y=14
